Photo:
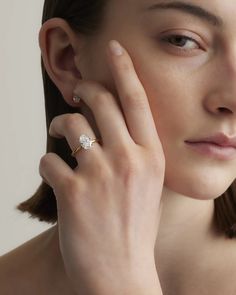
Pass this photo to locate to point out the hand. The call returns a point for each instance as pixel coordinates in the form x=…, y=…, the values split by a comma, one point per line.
x=108, y=207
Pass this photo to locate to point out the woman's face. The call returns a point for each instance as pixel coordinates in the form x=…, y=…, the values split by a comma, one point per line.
x=186, y=61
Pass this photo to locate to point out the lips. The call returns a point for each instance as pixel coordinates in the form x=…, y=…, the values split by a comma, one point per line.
x=219, y=139
x=213, y=151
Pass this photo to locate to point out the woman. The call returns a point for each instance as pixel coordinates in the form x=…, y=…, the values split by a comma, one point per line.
x=148, y=207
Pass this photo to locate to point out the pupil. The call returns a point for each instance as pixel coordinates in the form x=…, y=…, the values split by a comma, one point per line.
x=179, y=40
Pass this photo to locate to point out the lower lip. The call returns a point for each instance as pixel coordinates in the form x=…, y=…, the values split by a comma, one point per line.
x=213, y=150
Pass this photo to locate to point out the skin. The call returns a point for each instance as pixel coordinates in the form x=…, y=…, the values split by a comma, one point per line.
x=185, y=102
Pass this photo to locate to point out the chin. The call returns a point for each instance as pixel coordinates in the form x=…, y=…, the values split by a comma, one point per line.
x=200, y=188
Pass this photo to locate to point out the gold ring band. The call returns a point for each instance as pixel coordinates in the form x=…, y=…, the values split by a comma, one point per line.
x=81, y=147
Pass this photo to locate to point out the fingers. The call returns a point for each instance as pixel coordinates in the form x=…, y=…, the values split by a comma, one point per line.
x=137, y=122
x=136, y=125
x=72, y=126
x=106, y=111
x=133, y=99
x=55, y=172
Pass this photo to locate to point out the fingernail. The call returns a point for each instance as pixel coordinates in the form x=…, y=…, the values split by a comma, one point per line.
x=115, y=47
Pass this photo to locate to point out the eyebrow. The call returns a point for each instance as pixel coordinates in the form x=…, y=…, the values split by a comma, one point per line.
x=191, y=9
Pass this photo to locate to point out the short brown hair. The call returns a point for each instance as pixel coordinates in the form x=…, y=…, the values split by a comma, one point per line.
x=86, y=17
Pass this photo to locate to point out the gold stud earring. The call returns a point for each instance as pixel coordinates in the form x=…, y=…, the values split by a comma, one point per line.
x=76, y=99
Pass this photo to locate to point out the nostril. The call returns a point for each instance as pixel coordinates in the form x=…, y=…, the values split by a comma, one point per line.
x=224, y=110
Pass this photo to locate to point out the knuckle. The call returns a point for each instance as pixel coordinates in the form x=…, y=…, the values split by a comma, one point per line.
x=70, y=189
x=57, y=119
x=101, y=171
x=135, y=99
x=101, y=97
x=101, y=168
x=125, y=66
x=105, y=178
x=44, y=161
x=71, y=186
x=130, y=175
x=52, y=126
x=129, y=169
x=71, y=120
x=128, y=163
x=156, y=163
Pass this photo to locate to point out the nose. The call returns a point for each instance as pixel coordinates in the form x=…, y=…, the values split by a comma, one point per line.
x=222, y=103
x=221, y=99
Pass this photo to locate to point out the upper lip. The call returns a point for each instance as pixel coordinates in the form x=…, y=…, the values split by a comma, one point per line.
x=219, y=139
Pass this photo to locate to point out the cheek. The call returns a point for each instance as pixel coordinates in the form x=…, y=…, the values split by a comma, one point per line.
x=170, y=100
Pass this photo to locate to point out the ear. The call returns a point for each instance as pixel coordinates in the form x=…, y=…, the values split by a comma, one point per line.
x=60, y=47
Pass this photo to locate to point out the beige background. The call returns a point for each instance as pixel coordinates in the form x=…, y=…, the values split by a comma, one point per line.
x=22, y=118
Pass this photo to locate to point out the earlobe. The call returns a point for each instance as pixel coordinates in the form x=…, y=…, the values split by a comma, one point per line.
x=59, y=47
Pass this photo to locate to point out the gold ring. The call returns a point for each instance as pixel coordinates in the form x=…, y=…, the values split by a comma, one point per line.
x=85, y=143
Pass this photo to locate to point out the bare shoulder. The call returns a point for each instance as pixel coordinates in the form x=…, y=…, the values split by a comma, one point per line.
x=10, y=272
x=18, y=267
x=220, y=269
x=211, y=271
x=35, y=267
x=225, y=268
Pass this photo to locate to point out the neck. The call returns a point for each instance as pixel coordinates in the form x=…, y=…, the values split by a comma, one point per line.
x=186, y=229
x=181, y=214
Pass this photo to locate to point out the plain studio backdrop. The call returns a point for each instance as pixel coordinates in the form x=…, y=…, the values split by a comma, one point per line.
x=22, y=119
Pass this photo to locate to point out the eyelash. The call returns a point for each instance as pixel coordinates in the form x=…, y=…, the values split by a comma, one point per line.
x=167, y=39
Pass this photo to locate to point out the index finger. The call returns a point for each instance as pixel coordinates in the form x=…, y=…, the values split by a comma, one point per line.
x=133, y=98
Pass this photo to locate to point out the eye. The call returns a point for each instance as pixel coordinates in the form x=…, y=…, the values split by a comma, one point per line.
x=182, y=42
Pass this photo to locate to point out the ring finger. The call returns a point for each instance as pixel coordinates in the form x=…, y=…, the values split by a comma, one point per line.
x=72, y=126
